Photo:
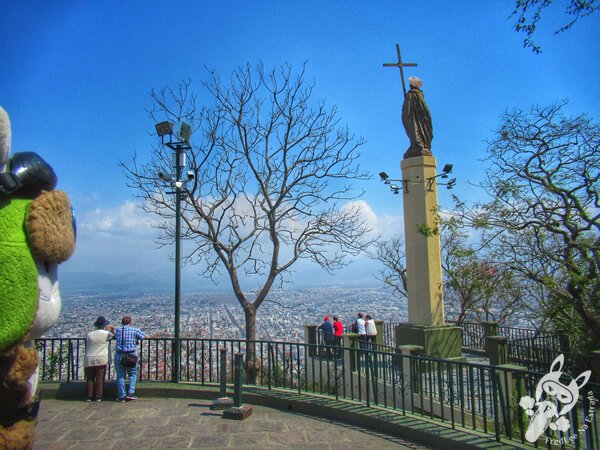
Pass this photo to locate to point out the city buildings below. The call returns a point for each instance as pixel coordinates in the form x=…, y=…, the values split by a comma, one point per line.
x=218, y=315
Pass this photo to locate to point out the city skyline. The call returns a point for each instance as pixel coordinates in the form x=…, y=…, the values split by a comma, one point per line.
x=218, y=315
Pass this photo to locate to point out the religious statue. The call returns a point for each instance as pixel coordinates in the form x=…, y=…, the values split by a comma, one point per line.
x=417, y=120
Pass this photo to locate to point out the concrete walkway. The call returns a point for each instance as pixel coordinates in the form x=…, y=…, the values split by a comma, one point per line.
x=158, y=423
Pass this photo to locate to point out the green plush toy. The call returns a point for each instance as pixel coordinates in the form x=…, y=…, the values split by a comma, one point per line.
x=36, y=234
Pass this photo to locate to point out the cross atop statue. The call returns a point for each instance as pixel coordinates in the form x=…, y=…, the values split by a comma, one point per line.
x=400, y=65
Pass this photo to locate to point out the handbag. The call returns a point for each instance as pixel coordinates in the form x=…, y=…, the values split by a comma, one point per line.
x=128, y=359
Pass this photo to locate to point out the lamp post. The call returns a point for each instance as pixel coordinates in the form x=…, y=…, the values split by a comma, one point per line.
x=177, y=140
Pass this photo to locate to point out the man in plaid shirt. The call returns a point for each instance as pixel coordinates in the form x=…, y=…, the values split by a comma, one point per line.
x=127, y=339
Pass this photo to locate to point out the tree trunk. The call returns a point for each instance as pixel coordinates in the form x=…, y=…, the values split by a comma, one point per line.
x=251, y=363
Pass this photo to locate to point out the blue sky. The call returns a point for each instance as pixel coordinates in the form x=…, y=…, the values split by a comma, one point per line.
x=76, y=78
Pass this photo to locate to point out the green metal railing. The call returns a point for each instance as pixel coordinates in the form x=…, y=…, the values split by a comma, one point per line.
x=460, y=394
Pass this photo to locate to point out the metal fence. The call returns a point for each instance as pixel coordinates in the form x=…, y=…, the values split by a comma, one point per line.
x=475, y=396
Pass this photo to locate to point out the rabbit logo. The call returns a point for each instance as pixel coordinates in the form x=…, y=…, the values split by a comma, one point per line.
x=550, y=395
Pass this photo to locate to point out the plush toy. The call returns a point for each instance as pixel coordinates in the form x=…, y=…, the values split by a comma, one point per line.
x=36, y=233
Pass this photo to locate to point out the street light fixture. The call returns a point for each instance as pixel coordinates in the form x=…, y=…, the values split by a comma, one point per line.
x=164, y=128
x=447, y=169
x=177, y=138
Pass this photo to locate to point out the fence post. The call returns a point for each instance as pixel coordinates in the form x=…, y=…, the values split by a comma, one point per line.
x=351, y=360
x=511, y=387
x=238, y=411
x=565, y=343
x=310, y=338
x=595, y=366
x=379, y=340
x=490, y=327
x=351, y=357
x=496, y=348
x=410, y=367
x=223, y=402
x=70, y=362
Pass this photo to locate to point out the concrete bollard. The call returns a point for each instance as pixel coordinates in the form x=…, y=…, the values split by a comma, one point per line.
x=238, y=411
x=223, y=402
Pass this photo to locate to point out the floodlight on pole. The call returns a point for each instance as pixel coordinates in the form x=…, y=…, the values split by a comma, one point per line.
x=179, y=141
x=383, y=176
x=447, y=168
x=164, y=128
x=445, y=171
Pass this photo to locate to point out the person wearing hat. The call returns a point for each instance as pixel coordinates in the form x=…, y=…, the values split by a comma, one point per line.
x=338, y=333
x=327, y=329
x=96, y=358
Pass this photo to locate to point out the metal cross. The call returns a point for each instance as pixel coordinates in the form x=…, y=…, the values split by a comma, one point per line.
x=400, y=65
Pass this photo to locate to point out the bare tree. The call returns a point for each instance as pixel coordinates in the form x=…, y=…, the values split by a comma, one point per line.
x=273, y=172
x=392, y=255
x=529, y=12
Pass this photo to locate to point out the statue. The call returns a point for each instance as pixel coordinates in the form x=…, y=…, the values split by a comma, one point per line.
x=417, y=120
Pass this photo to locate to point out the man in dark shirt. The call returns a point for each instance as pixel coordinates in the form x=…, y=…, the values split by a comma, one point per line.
x=327, y=329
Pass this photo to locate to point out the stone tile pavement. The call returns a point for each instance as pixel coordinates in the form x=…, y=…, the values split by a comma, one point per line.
x=160, y=423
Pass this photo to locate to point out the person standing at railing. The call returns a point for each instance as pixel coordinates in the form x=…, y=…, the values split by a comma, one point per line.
x=127, y=339
x=371, y=331
x=327, y=328
x=338, y=331
x=359, y=327
x=96, y=358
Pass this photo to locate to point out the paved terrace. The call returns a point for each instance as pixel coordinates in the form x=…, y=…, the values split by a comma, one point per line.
x=179, y=416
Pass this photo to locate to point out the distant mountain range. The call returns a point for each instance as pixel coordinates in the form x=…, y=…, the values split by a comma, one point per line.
x=85, y=282
x=135, y=282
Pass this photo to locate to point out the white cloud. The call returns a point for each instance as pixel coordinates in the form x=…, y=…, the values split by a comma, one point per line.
x=122, y=240
x=128, y=219
x=119, y=239
x=380, y=225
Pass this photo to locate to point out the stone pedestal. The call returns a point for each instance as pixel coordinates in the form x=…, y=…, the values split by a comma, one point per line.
x=238, y=413
x=443, y=341
x=422, y=241
x=221, y=403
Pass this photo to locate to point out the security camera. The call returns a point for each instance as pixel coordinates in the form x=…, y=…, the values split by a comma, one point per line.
x=163, y=177
x=190, y=175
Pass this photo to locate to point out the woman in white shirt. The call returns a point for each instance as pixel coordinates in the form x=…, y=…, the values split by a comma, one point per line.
x=371, y=331
x=96, y=358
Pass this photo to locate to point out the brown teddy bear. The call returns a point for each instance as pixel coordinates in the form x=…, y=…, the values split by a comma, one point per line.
x=36, y=233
